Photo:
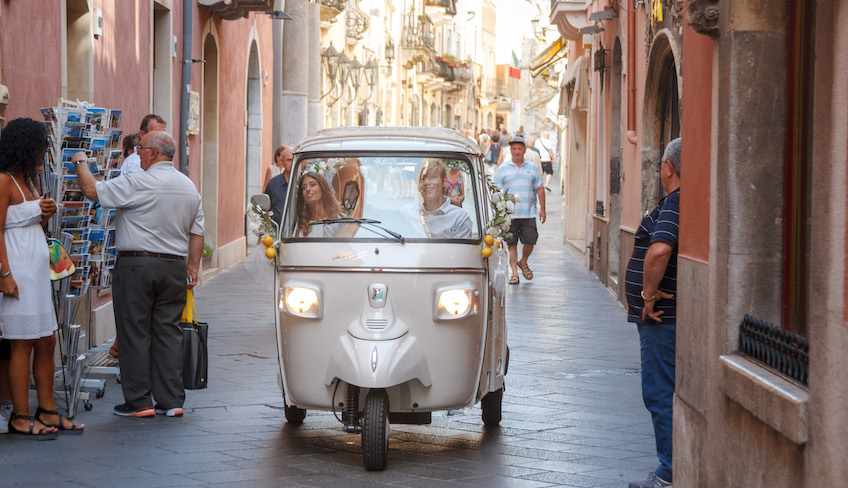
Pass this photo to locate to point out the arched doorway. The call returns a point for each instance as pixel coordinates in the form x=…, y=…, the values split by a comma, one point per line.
x=253, y=134
x=615, y=151
x=209, y=164
x=661, y=122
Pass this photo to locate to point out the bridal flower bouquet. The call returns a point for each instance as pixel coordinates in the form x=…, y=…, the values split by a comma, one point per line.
x=503, y=204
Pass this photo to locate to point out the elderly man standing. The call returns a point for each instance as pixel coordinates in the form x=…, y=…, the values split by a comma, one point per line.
x=159, y=222
x=651, y=286
x=524, y=179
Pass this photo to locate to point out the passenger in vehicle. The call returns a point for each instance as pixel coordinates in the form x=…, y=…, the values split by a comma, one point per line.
x=316, y=202
x=435, y=214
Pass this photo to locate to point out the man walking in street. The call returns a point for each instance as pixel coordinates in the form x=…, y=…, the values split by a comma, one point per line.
x=278, y=186
x=651, y=287
x=525, y=180
x=159, y=222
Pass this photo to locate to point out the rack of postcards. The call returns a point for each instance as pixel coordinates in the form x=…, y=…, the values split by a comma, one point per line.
x=86, y=230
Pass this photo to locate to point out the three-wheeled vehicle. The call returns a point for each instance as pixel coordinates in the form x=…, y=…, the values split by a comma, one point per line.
x=388, y=307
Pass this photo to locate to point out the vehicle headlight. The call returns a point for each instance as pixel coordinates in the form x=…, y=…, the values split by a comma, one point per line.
x=301, y=301
x=455, y=302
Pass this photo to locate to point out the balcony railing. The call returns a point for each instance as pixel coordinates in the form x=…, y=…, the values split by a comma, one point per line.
x=783, y=351
x=418, y=32
x=449, y=6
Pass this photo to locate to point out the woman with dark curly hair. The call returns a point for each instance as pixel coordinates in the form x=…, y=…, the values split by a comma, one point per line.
x=27, y=316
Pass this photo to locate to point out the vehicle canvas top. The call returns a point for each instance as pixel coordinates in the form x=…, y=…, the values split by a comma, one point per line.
x=412, y=139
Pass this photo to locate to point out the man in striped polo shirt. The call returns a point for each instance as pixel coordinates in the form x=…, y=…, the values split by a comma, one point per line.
x=526, y=181
x=651, y=286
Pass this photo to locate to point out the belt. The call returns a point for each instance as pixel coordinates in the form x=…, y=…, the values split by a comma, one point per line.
x=145, y=254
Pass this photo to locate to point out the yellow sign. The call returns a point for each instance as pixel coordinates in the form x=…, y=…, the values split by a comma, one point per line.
x=656, y=12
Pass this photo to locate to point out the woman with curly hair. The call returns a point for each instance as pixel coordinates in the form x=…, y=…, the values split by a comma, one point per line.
x=27, y=316
x=316, y=202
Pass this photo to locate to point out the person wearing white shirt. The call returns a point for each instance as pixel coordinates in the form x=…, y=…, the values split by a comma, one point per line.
x=546, y=154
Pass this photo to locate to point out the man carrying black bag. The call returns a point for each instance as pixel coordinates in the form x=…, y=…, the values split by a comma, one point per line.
x=159, y=222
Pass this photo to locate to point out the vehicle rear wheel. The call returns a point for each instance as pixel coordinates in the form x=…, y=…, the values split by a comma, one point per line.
x=295, y=415
x=491, y=405
x=375, y=430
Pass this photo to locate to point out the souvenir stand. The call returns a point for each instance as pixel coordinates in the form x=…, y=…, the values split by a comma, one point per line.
x=85, y=230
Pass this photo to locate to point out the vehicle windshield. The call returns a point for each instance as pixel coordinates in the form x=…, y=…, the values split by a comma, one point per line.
x=382, y=197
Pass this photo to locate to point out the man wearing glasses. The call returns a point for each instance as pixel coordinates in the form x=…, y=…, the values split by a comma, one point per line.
x=159, y=222
x=651, y=288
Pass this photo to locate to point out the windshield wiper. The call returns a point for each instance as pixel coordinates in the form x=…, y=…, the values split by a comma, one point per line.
x=360, y=220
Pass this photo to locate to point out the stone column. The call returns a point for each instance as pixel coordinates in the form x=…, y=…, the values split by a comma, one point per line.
x=296, y=67
x=315, y=119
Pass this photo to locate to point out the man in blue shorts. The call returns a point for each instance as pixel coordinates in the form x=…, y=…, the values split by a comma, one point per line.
x=524, y=180
x=651, y=286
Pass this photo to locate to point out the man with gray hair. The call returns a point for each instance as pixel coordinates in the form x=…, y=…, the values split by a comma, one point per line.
x=651, y=288
x=159, y=223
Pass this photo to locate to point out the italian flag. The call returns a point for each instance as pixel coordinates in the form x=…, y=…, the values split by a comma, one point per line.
x=514, y=72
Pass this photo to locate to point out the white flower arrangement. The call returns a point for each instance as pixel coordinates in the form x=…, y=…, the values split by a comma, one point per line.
x=503, y=204
x=321, y=167
x=260, y=221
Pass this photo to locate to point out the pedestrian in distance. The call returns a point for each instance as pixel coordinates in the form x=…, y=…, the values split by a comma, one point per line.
x=277, y=166
x=518, y=177
x=159, y=222
x=278, y=185
x=150, y=123
x=27, y=314
x=651, y=289
x=532, y=154
x=547, y=159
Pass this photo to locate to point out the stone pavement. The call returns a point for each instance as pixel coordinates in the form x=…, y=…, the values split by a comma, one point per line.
x=573, y=414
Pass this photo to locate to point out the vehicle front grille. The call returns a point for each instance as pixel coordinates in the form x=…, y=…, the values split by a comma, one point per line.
x=376, y=324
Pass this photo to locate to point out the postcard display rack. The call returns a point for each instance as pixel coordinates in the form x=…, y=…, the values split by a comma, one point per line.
x=86, y=231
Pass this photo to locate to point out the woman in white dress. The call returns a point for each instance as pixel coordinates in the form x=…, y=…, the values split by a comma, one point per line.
x=27, y=314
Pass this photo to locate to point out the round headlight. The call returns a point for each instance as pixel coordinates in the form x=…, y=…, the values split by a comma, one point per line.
x=455, y=302
x=300, y=300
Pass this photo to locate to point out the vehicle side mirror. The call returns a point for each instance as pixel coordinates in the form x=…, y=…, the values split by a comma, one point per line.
x=262, y=201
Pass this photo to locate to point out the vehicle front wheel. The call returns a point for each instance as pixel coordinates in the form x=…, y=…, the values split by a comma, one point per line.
x=491, y=405
x=295, y=415
x=375, y=430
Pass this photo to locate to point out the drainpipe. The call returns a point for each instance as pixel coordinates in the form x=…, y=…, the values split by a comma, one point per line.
x=631, y=76
x=277, y=103
x=185, y=96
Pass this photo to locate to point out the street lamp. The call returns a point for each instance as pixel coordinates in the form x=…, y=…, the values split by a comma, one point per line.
x=355, y=78
x=389, y=55
x=371, y=69
x=330, y=60
x=339, y=66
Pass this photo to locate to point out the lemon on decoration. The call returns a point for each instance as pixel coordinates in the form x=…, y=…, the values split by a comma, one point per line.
x=488, y=240
x=497, y=244
x=270, y=253
x=268, y=241
x=486, y=252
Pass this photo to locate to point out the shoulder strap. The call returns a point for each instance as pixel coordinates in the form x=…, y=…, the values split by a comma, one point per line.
x=19, y=186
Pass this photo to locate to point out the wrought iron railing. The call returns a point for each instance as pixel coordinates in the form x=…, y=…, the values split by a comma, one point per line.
x=418, y=32
x=783, y=351
x=334, y=4
x=448, y=5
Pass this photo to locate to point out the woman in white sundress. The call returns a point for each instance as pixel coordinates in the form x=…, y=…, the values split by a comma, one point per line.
x=27, y=314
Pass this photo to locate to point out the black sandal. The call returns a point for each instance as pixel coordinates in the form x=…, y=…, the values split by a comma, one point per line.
x=36, y=436
x=62, y=430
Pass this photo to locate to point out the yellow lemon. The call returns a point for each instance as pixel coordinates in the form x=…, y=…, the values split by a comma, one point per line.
x=497, y=244
x=268, y=241
x=486, y=252
x=488, y=240
x=270, y=253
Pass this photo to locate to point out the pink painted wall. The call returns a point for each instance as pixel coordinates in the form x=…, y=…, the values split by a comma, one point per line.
x=31, y=61
x=631, y=187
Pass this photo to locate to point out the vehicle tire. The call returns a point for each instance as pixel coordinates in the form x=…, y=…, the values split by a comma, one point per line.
x=375, y=430
x=491, y=405
x=295, y=415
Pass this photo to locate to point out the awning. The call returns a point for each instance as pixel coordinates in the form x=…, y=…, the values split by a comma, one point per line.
x=550, y=55
x=575, y=87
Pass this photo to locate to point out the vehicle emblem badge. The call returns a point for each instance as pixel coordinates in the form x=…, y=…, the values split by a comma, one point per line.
x=377, y=294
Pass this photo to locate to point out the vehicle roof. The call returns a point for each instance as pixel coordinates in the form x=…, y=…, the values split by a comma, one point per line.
x=406, y=139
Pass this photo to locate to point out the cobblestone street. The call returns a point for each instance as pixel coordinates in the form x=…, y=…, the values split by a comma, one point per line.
x=573, y=414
